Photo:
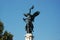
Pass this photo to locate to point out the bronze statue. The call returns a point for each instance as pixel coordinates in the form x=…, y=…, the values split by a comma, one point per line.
x=29, y=19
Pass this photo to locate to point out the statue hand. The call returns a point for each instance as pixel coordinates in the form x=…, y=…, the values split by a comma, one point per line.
x=24, y=19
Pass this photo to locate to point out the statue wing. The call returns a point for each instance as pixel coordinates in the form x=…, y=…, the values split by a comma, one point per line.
x=35, y=14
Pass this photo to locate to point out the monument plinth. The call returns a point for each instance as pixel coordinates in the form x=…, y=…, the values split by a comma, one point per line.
x=29, y=23
x=29, y=36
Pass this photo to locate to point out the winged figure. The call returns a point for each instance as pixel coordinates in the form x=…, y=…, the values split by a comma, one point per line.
x=29, y=19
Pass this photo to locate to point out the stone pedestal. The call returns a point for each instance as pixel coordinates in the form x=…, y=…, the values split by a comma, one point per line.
x=29, y=36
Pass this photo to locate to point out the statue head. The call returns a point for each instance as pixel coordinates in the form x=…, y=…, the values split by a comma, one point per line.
x=28, y=14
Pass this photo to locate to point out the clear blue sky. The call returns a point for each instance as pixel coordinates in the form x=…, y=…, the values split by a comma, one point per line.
x=46, y=25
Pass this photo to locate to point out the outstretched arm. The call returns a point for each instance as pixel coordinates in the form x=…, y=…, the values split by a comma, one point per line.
x=31, y=9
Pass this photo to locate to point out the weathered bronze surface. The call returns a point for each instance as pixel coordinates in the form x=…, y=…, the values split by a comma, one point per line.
x=29, y=19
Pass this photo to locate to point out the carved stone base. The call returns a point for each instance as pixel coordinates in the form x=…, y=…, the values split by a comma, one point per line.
x=29, y=36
